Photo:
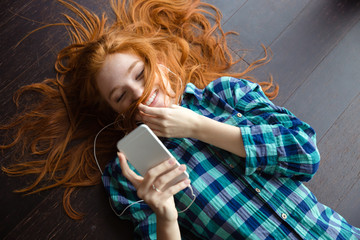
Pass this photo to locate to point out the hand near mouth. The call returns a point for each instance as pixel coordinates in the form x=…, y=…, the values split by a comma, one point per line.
x=173, y=121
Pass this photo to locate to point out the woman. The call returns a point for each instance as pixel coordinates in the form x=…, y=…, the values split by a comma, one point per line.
x=245, y=156
x=246, y=173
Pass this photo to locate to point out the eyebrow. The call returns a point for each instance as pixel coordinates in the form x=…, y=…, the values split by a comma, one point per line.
x=127, y=73
x=132, y=66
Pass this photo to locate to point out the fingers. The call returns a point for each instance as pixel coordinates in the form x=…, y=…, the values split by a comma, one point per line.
x=159, y=119
x=162, y=182
x=153, y=111
x=158, y=171
x=151, y=116
x=156, y=187
x=172, y=190
x=160, y=177
x=155, y=196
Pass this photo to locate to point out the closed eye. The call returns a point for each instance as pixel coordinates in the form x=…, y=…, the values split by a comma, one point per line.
x=121, y=97
x=140, y=76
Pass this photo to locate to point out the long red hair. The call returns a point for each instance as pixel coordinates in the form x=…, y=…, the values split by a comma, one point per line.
x=54, y=137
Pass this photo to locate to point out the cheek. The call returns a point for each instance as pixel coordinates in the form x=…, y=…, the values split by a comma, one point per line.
x=115, y=108
x=119, y=108
x=166, y=82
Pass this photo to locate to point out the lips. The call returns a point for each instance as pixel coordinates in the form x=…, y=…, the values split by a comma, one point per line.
x=151, y=99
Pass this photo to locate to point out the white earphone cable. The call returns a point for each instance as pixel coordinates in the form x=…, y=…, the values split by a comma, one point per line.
x=98, y=165
x=96, y=160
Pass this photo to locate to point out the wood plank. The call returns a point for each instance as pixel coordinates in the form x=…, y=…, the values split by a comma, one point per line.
x=331, y=86
x=337, y=181
x=14, y=63
x=307, y=41
x=10, y=216
x=31, y=62
x=15, y=206
x=16, y=60
x=10, y=9
x=227, y=7
x=349, y=206
x=261, y=22
x=49, y=221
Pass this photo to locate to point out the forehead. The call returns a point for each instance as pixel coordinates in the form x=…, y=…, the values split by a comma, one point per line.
x=116, y=65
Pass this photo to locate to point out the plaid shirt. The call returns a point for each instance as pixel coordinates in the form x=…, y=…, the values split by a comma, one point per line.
x=258, y=197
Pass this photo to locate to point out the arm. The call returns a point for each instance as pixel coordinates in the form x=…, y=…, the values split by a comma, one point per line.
x=219, y=134
x=160, y=200
x=167, y=229
x=274, y=140
x=193, y=125
x=156, y=217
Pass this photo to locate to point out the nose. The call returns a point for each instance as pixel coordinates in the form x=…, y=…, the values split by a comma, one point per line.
x=137, y=89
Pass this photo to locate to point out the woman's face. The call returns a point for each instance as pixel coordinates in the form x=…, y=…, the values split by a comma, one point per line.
x=121, y=83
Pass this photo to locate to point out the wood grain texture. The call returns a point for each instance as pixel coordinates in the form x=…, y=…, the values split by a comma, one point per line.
x=227, y=7
x=307, y=41
x=34, y=47
x=13, y=215
x=332, y=85
x=316, y=63
x=261, y=22
x=336, y=183
x=33, y=61
x=11, y=9
x=349, y=205
x=99, y=222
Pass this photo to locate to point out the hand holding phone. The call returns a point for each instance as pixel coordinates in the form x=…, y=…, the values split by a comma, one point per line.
x=144, y=150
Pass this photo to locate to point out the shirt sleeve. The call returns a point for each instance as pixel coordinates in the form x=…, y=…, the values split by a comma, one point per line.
x=276, y=142
x=123, y=198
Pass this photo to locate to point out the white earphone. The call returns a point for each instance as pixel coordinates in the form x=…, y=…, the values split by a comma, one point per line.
x=98, y=165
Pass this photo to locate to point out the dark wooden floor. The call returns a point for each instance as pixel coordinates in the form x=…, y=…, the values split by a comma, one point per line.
x=316, y=46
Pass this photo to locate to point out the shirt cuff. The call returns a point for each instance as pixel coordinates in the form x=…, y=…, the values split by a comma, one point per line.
x=261, y=149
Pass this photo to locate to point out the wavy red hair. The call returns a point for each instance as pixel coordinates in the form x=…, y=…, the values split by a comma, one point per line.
x=59, y=130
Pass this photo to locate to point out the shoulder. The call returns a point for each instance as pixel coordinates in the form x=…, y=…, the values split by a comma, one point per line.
x=232, y=89
x=223, y=84
x=230, y=84
x=226, y=88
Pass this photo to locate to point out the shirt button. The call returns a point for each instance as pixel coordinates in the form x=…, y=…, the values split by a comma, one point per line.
x=259, y=169
x=239, y=115
x=284, y=216
x=232, y=166
x=257, y=190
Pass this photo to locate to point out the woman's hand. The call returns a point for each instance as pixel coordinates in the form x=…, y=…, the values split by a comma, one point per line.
x=176, y=121
x=173, y=121
x=153, y=187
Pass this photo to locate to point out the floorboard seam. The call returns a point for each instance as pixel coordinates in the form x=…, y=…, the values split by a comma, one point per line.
x=321, y=60
x=31, y=213
x=340, y=115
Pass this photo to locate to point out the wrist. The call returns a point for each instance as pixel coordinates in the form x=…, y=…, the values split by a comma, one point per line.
x=197, y=126
x=165, y=221
x=167, y=229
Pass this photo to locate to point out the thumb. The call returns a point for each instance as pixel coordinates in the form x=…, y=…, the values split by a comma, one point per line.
x=127, y=172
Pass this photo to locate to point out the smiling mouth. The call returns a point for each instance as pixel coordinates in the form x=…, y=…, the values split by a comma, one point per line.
x=151, y=99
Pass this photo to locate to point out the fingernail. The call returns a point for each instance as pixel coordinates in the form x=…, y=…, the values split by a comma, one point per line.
x=171, y=161
x=187, y=181
x=182, y=168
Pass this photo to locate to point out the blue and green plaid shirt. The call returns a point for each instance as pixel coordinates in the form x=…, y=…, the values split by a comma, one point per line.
x=258, y=197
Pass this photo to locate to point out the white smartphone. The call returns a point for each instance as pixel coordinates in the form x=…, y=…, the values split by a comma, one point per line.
x=144, y=150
